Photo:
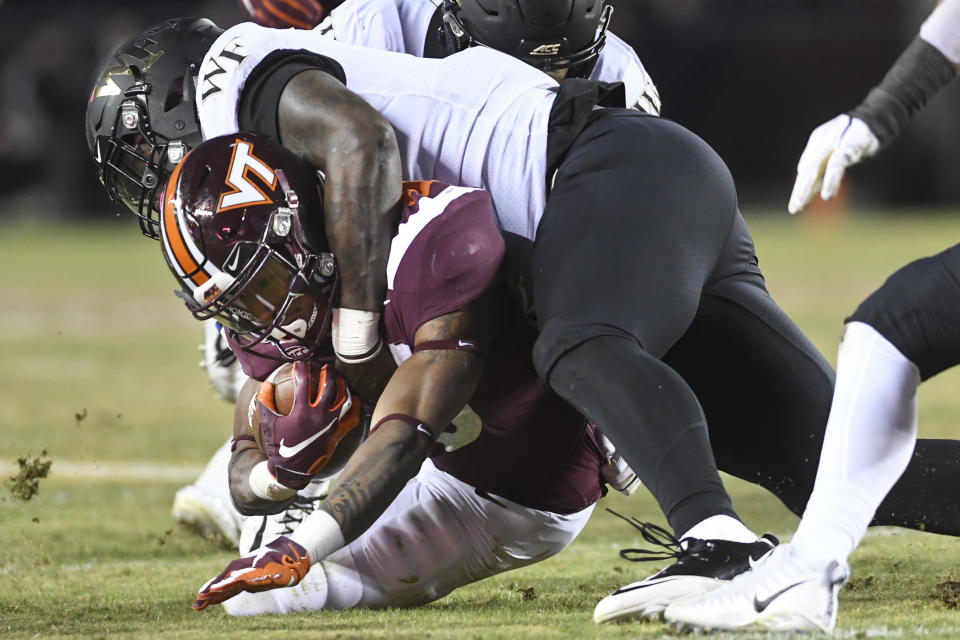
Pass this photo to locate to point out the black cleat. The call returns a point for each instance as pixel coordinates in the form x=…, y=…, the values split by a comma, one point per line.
x=701, y=566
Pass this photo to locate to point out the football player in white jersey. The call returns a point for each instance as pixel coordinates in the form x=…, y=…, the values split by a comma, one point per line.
x=902, y=334
x=561, y=38
x=653, y=315
x=566, y=40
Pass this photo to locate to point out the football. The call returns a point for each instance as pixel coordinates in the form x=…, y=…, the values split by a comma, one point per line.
x=283, y=14
x=298, y=418
x=277, y=391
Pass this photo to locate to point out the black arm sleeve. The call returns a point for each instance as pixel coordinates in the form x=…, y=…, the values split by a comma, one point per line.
x=260, y=101
x=920, y=72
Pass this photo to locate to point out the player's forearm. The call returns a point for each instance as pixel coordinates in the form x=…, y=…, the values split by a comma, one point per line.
x=917, y=75
x=925, y=67
x=243, y=462
x=342, y=135
x=361, y=208
x=424, y=395
x=374, y=477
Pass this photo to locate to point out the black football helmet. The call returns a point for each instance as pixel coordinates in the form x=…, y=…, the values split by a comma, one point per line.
x=141, y=114
x=548, y=34
x=241, y=226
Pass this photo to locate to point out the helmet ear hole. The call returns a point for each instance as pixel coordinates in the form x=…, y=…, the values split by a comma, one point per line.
x=174, y=95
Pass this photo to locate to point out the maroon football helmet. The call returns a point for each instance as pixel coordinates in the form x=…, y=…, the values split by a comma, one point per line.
x=242, y=231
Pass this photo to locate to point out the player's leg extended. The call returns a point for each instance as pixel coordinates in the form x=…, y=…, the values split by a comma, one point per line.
x=436, y=536
x=766, y=392
x=765, y=388
x=639, y=214
x=903, y=333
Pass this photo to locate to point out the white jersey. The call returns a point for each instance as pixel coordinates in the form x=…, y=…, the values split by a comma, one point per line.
x=401, y=26
x=477, y=119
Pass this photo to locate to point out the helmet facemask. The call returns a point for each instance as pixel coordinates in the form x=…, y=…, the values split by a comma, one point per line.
x=141, y=115
x=276, y=290
x=134, y=161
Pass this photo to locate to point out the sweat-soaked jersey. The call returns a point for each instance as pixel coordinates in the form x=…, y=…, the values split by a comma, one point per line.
x=516, y=439
x=478, y=118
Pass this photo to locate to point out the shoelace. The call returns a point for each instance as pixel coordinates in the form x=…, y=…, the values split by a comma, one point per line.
x=302, y=505
x=660, y=537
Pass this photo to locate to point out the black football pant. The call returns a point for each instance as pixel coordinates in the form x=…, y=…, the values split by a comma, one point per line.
x=656, y=324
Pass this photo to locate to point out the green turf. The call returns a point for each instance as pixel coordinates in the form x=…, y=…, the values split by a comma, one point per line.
x=98, y=365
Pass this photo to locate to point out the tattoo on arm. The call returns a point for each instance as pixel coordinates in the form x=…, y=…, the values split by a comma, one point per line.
x=354, y=145
x=370, y=483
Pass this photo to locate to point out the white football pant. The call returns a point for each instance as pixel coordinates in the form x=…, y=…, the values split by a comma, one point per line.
x=436, y=536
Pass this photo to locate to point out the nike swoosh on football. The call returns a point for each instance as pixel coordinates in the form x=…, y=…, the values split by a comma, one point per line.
x=761, y=605
x=289, y=452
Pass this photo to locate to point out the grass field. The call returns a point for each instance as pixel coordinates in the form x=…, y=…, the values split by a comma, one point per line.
x=98, y=369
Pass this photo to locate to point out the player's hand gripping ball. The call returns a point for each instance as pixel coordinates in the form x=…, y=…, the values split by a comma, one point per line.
x=303, y=411
x=283, y=14
x=281, y=563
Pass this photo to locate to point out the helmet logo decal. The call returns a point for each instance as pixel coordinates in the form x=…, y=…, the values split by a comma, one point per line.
x=147, y=51
x=234, y=53
x=106, y=85
x=546, y=50
x=243, y=192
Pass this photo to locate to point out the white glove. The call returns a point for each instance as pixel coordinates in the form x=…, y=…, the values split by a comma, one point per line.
x=832, y=147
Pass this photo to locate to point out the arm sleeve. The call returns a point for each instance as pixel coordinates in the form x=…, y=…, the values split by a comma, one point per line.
x=260, y=101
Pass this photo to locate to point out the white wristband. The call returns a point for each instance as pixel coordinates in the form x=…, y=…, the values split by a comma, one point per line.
x=319, y=534
x=265, y=486
x=356, y=335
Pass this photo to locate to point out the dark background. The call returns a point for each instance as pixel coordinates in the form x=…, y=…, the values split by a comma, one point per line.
x=752, y=77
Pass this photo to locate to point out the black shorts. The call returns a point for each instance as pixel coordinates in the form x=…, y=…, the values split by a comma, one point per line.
x=918, y=310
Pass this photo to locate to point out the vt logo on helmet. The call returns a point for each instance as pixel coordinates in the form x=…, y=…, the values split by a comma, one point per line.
x=241, y=227
x=141, y=119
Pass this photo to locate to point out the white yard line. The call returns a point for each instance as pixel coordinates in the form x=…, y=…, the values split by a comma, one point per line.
x=113, y=471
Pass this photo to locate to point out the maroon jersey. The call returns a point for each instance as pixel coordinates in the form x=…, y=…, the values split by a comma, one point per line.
x=531, y=447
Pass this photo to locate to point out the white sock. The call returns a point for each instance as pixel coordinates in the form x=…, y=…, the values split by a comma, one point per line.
x=721, y=528
x=870, y=437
